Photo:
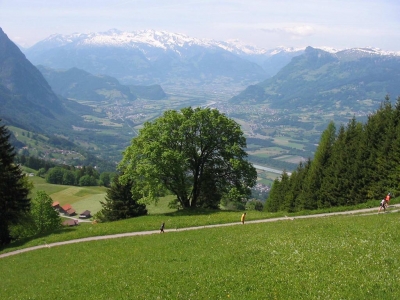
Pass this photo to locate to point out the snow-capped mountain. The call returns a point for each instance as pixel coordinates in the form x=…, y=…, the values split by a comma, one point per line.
x=150, y=56
x=137, y=39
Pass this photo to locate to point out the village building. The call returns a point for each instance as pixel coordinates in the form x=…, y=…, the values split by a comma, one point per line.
x=67, y=210
x=85, y=215
x=56, y=205
x=70, y=222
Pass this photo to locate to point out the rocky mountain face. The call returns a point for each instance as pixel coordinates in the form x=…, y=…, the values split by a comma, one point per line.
x=329, y=79
x=26, y=99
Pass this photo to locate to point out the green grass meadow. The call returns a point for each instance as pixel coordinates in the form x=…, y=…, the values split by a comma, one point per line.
x=338, y=257
x=81, y=198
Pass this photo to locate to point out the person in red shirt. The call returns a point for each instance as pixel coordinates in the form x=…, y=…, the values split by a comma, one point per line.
x=387, y=199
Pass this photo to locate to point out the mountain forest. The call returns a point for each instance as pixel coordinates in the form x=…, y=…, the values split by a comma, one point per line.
x=352, y=164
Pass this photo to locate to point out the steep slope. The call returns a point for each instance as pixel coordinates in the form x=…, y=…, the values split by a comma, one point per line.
x=146, y=57
x=320, y=78
x=81, y=85
x=26, y=99
x=151, y=92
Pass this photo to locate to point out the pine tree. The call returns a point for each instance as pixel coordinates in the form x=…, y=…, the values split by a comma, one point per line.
x=332, y=184
x=121, y=203
x=311, y=197
x=376, y=141
x=14, y=199
x=394, y=157
x=352, y=176
x=299, y=186
x=272, y=202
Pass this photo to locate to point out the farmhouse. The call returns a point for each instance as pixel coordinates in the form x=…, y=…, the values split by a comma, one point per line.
x=56, y=205
x=67, y=210
x=70, y=212
x=70, y=222
x=85, y=215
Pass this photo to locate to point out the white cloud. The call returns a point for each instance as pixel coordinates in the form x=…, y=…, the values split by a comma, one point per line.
x=293, y=31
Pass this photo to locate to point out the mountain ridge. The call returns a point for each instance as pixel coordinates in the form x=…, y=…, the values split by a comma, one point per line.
x=168, y=40
x=325, y=79
x=26, y=99
x=147, y=57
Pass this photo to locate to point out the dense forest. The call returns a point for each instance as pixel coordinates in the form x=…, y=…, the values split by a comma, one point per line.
x=353, y=164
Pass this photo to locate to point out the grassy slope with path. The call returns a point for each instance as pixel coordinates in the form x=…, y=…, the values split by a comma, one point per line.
x=339, y=257
x=329, y=258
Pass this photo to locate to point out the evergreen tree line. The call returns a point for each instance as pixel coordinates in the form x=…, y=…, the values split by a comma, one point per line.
x=34, y=162
x=70, y=175
x=354, y=164
x=19, y=215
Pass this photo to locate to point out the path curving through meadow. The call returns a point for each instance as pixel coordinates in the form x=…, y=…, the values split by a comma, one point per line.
x=366, y=211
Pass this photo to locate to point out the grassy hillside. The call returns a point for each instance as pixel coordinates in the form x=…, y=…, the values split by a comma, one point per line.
x=81, y=198
x=87, y=197
x=343, y=257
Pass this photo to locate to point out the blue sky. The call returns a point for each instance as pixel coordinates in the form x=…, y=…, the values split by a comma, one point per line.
x=266, y=24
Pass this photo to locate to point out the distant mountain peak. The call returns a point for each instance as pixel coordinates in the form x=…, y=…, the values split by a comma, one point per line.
x=173, y=41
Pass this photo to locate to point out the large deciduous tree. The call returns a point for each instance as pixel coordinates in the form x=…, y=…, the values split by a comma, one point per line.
x=197, y=154
x=14, y=199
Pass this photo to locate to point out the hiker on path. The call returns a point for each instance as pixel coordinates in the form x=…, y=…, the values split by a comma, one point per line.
x=243, y=218
x=382, y=205
x=162, y=227
x=387, y=199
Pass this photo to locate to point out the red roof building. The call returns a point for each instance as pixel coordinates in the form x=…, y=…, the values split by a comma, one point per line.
x=70, y=212
x=70, y=222
x=56, y=205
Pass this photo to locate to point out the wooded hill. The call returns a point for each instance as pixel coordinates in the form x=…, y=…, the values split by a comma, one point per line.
x=354, y=164
x=328, y=80
x=80, y=85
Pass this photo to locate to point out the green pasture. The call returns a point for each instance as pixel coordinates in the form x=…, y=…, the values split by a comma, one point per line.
x=266, y=177
x=81, y=198
x=291, y=158
x=267, y=152
x=88, y=198
x=101, y=121
x=284, y=141
x=342, y=257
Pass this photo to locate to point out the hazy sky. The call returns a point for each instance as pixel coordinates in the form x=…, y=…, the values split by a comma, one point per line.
x=263, y=23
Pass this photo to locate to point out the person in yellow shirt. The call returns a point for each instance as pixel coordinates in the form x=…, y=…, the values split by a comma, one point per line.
x=243, y=218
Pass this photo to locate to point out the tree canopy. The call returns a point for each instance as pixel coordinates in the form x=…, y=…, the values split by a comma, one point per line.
x=14, y=199
x=197, y=154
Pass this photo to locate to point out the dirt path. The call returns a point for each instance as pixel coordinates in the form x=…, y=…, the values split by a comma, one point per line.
x=367, y=211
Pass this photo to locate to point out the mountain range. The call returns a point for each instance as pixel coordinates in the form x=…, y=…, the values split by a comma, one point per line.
x=159, y=57
x=319, y=78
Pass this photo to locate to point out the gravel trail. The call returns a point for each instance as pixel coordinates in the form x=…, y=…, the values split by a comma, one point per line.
x=367, y=211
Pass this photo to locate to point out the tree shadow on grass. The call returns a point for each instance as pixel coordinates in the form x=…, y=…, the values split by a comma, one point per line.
x=196, y=212
x=40, y=237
